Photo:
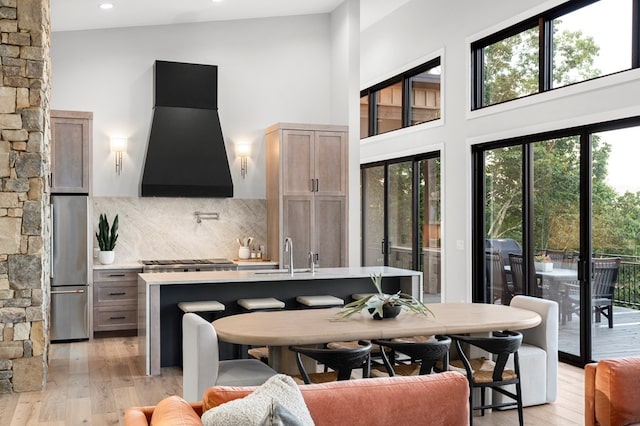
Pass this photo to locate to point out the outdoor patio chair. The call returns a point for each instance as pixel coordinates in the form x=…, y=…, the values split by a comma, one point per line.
x=497, y=279
x=517, y=272
x=603, y=283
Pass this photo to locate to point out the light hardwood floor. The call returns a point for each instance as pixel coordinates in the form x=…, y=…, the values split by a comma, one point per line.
x=94, y=382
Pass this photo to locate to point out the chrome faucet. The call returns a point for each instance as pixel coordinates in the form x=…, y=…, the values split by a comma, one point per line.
x=312, y=262
x=288, y=248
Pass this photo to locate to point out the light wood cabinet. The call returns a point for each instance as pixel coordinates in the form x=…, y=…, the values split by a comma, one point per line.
x=71, y=134
x=115, y=299
x=307, y=169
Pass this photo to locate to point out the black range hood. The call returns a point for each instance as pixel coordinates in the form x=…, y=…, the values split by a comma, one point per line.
x=186, y=155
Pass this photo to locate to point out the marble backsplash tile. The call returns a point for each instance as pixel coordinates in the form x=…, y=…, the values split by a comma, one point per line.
x=166, y=228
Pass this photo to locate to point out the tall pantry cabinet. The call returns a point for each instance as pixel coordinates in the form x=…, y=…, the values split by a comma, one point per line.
x=307, y=178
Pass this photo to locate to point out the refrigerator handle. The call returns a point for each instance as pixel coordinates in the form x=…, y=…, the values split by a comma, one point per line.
x=51, y=245
x=67, y=292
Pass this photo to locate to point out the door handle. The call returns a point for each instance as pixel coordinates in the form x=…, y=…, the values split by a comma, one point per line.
x=116, y=275
x=120, y=293
x=317, y=185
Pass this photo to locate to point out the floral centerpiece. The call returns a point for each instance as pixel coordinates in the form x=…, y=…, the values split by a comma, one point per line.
x=381, y=305
x=543, y=263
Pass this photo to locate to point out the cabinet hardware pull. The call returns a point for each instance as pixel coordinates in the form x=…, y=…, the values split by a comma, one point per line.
x=123, y=317
x=116, y=275
x=120, y=293
x=317, y=185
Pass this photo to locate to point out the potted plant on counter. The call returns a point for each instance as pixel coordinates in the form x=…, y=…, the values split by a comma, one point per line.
x=107, y=237
x=383, y=306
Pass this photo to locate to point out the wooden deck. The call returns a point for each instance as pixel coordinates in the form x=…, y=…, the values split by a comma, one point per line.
x=620, y=341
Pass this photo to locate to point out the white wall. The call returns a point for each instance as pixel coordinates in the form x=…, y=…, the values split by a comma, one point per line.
x=345, y=105
x=269, y=70
x=422, y=30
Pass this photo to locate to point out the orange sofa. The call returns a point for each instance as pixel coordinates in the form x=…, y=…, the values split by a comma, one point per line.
x=437, y=399
x=612, y=393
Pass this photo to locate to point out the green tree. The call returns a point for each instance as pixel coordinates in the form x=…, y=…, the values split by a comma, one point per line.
x=511, y=71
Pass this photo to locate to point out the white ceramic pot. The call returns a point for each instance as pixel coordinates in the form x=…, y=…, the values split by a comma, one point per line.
x=543, y=266
x=244, y=252
x=106, y=257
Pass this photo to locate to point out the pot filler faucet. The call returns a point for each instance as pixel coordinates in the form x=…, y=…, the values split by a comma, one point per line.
x=288, y=248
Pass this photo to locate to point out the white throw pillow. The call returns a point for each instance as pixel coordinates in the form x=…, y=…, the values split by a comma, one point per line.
x=252, y=409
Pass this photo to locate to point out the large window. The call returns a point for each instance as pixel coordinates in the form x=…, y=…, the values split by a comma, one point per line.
x=405, y=100
x=572, y=43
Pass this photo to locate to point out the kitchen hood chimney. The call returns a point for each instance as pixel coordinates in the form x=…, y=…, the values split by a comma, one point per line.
x=186, y=155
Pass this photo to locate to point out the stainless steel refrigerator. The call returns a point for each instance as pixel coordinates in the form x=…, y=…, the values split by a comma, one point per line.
x=69, y=268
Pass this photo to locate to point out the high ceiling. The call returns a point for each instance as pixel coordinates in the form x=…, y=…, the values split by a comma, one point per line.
x=71, y=15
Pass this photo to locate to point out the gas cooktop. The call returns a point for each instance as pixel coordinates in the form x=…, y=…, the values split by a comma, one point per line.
x=187, y=265
x=169, y=262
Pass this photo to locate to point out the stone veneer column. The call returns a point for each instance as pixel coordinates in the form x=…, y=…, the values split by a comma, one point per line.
x=24, y=193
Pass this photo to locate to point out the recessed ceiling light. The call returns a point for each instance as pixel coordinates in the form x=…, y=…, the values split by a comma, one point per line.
x=216, y=1
x=105, y=6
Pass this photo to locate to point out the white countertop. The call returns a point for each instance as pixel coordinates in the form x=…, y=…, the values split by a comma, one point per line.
x=124, y=265
x=164, y=278
x=137, y=265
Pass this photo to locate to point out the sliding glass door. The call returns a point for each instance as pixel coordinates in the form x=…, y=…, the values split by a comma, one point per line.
x=373, y=196
x=401, y=217
x=556, y=217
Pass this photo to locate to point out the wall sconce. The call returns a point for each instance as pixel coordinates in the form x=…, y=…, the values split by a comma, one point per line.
x=119, y=146
x=243, y=151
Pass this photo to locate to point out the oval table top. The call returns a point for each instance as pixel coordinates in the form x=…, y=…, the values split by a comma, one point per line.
x=310, y=326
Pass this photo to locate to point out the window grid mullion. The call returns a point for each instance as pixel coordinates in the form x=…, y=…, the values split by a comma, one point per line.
x=545, y=55
x=635, y=35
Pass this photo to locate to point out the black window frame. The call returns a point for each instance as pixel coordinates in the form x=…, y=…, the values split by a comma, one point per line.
x=544, y=22
x=405, y=78
x=415, y=232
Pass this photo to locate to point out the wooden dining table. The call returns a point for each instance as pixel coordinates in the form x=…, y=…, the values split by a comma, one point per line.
x=279, y=329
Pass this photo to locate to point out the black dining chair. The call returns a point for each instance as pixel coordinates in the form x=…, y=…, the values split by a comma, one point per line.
x=341, y=361
x=427, y=354
x=486, y=374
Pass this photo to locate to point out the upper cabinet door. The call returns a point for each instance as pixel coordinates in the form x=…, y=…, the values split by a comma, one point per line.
x=330, y=165
x=297, y=162
x=71, y=151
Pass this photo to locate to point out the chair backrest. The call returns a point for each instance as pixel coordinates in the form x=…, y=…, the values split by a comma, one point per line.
x=517, y=272
x=497, y=278
x=604, y=278
x=544, y=336
x=558, y=257
x=199, y=356
x=429, y=352
x=343, y=361
x=502, y=344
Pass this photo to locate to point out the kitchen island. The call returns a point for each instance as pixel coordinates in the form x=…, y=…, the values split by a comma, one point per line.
x=159, y=318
